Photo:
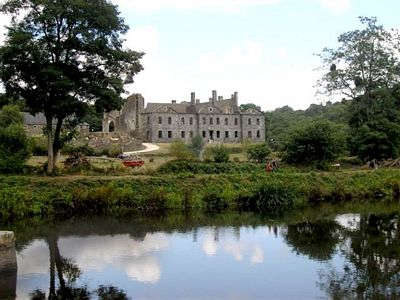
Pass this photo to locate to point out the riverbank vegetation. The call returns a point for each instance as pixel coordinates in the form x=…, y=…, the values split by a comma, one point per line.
x=26, y=196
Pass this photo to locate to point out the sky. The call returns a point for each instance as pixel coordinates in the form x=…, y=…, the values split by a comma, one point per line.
x=263, y=49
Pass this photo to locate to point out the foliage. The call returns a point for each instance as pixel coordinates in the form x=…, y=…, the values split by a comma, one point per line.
x=76, y=160
x=61, y=56
x=197, y=167
x=219, y=154
x=317, y=142
x=366, y=60
x=258, y=153
x=244, y=107
x=180, y=151
x=375, y=125
x=282, y=121
x=14, y=143
x=38, y=145
x=197, y=146
x=94, y=118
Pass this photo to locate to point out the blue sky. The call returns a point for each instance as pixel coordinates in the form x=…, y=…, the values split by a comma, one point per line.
x=261, y=48
x=264, y=49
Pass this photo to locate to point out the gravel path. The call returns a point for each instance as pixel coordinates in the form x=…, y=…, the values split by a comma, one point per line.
x=149, y=148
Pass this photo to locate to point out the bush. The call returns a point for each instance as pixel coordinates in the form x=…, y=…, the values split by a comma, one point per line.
x=316, y=143
x=214, y=202
x=197, y=146
x=115, y=151
x=14, y=143
x=258, y=153
x=86, y=150
x=220, y=154
x=273, y=197
x=198, y=167
x=38, y=146
x=180, y=151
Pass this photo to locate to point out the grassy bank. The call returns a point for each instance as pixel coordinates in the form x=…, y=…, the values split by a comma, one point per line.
x=24, y=196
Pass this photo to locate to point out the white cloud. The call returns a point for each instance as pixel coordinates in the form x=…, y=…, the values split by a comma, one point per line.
x=336, y=6
x=224, y=5
x=143, y=38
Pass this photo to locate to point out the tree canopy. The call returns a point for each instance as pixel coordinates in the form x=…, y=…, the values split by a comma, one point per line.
x=63, y=55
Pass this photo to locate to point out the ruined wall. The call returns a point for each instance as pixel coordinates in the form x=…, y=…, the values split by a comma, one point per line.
x=256, y=129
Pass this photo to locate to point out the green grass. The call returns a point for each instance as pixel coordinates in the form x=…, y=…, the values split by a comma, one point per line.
x=23, y=197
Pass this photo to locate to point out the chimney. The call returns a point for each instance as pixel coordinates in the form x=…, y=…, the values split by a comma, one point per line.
x=214, y=96
x=220, y=98
x=236, y=98
x=197, y=101
x=193, y=98
x=173, y=101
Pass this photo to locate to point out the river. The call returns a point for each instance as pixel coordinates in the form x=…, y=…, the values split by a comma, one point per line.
x=225, y=256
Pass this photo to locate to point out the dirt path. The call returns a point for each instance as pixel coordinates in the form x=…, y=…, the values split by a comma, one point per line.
x=149, y=148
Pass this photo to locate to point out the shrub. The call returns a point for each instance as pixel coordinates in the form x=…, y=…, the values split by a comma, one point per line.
x=14, y=143
x=273, y=197
x=86, y=150
x=316, y=143
x=214, y=202
x=198, y=167
x=258, y=153
x=38, y=146
x=180, y=151
x=220, y=154
x=197, y=146
x=115, y=151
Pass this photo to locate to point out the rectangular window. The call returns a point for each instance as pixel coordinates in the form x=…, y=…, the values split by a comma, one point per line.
x=226, y=121
x=258, y=134
x=183, y=121
x=204, y=121
x=258, y=121
x=236, y=134
x=249, y=134
x=170, y=134
x=218, y=134
x=191, y=121
x=183, y=134
x=236, y=121
x=217, y=121
x=204, y=134
x=148, y=120
x=169, y=120
x=160, y=134
x=227, y=134
x=211, y=121
x=159, y=120
x=249, y=121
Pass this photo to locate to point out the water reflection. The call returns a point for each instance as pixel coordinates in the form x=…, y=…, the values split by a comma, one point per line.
x=341, y=256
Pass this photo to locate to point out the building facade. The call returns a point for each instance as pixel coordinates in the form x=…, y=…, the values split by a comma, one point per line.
x=218, y=120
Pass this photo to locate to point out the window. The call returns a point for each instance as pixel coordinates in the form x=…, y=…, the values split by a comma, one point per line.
x=183, y=120
x=191, y=121
x=159, y=120
x=227, y=134
x=148, y=135
x=217, y=121
x=236, y=121
x=183, y=134
x=204, y=121
x=258, y=134
x=204, y=134
x=148, y=120
x=236, y=134
x=211, y=121
x=212, y=134
x=249, y=121
x=169, y=120
x=226, y=121
x=249, y=134
x=170, y=134
x=258, y=121
x=160, y=134
x=191, y=134
x=218, y=134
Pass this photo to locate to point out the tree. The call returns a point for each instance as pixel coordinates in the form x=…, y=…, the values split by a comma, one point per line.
x=14, y=144
x=220, y=154
x=247, y=106
x=375, y=125
x=258, y=153
x=317, y=142
x=64, y=55
x=366, y=59
x=180, y=151
x=197, y=146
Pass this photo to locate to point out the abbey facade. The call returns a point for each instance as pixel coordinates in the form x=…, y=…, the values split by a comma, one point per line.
x=218, y=120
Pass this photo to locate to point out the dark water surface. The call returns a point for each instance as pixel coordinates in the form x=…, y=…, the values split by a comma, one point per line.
x=228, y=256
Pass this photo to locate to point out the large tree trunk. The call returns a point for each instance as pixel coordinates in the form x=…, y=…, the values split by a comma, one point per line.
x=50, y=145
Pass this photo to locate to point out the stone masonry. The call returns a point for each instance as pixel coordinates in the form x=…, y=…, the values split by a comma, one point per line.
x=218, y=120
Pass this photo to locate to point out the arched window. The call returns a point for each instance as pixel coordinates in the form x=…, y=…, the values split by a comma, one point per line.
x=111, y=127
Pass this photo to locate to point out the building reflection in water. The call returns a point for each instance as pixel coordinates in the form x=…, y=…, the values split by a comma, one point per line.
x=8, y=273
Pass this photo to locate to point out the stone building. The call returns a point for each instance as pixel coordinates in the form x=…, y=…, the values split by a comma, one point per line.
x=34, y=124
x=218, y=120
